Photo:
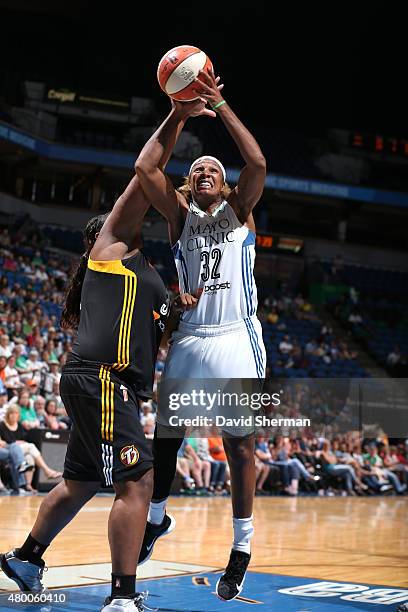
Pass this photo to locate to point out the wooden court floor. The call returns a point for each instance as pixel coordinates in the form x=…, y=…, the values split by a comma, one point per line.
x=346, y=539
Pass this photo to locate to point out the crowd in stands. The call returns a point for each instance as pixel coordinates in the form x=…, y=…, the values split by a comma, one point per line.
x=301, y=464
x=373, y=308
x=300, y=344
x=33, y=349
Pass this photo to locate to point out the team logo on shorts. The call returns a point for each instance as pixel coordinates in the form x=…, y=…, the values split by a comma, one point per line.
x=129, y=455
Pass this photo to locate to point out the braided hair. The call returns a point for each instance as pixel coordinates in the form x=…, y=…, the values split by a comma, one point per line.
x=72, y=307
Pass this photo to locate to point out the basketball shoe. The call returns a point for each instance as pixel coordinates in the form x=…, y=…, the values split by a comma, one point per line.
x=231, y=582
x=152, y=534
x=26, y=575
x=132, y=604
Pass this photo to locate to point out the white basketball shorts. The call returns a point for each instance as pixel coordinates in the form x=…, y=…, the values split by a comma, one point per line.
x=234, y=350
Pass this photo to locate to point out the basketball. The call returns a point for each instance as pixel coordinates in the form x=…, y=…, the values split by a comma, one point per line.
x=177, y=70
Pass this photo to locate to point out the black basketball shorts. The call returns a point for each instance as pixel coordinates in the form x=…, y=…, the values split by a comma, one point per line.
x=106, y=441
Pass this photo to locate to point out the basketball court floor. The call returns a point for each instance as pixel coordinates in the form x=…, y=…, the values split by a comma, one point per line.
x=309, y=554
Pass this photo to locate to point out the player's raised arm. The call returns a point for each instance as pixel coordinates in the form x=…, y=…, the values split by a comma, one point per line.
x=156, y=185
x=123, y=226
x=252, y=178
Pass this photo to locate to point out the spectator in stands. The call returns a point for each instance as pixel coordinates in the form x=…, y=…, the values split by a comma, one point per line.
x=183, y=467
x=13, y=455
x=345, y=472
x=33, y=389
x=218, y=468
x=391, y=462
x=146, y=411
x=149, y=425
x=345, y=353
x=5, y=238
x=34, y=365
x=325, y=331
x=273, y=317
x=200, y=470
x=311, y=346
x=55, y=395
x=52, y=376
x=3, y=403
x=402, y=454
x=297, y=357
x=295, y=466
x=25, y=406
x=268, y=455
x=41, y=273
x=216, y=449
x=344, y=457
x=39, y=407
x=394, y=356
x=52, y=420
x=12, y=380
x=384, y=474
x=21, y=360
x=6, y=347
x=262, y=471
x=3, y=364
x=286, y=345
x=12, y=431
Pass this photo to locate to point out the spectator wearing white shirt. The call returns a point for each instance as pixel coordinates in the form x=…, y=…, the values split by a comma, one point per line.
x=286, y=345
x=6, y=347
x=34, y=365
x=147, y=410
x=12, y=379
x=3, y=404
x=56, y=397
x=41, y=274
x=394, y=356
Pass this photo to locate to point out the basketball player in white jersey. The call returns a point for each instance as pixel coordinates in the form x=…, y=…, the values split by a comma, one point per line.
x=212, y=231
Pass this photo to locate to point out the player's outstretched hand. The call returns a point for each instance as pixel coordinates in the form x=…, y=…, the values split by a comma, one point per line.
x=209, y=87
x=198, y=107
x=192, y=109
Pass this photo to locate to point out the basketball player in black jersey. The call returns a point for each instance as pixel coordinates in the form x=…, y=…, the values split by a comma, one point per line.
x=119, y=304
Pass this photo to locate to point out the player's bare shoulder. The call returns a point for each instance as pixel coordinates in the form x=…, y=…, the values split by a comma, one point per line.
x=243, y=217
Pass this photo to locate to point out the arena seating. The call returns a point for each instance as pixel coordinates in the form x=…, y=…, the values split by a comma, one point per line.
x=380, y=303
x=35, y=303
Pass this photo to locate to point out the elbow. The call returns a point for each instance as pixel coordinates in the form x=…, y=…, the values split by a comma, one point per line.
x=142, y=167
x=260, y=162
x=257, y=163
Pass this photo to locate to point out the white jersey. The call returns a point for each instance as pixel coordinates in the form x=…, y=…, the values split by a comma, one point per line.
x=216, y=253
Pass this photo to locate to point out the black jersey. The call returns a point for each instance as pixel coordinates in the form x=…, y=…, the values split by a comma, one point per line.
x=123, y=308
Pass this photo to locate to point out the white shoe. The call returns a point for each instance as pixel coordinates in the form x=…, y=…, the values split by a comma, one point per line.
x=26, y=575
x=127, y=605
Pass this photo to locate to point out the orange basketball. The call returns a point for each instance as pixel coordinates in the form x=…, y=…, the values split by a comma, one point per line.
x=177, y=70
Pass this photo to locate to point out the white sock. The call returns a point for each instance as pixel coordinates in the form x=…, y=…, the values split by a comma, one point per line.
x=243, y=531
x=157, y=510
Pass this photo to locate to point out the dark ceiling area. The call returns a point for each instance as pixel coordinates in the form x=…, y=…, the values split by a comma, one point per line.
x=303, y=66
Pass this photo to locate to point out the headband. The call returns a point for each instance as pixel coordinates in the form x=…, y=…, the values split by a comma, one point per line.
x=214, y=159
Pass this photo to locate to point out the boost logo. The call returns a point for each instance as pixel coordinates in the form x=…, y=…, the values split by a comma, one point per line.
x=211, y=289
x=129, y=455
